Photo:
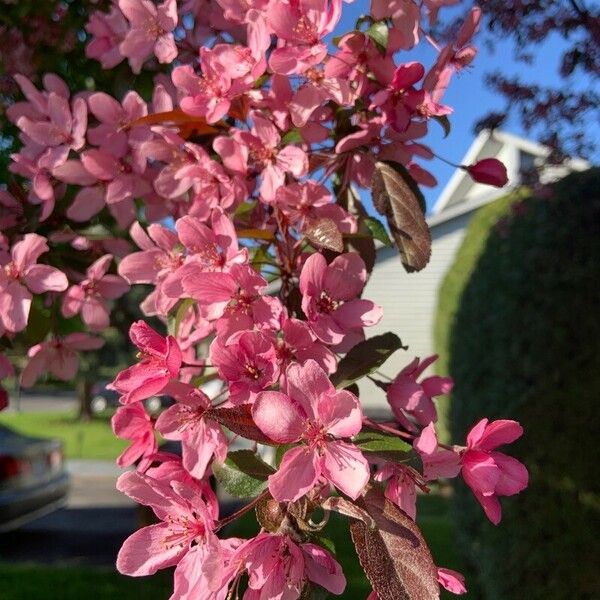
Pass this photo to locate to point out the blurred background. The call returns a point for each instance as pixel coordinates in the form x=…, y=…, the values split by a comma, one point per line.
x=510, y=302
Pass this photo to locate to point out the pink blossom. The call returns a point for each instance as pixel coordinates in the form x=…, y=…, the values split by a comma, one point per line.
x=315, y=413
x=295, y=342
x=63, y=130
x=161, y=255
x=90, y=296
x=305, y=203
x=302, y=24
x=184, y=520
x=330, y=299
x=133, y=423
x=57, y=356
x=108, y=30
x=279, y=567
x=151, y=31
x=160, y=362
x=437, y=461
x=409, y=397
x=491, y=474
x=247, y=361
x=451, y=580
x=116, y=130
x=400, y=488
x=201, y=438
x=490, y=171
x=235, y=298
x=405, y=15
x=21, y=276
x=261, y=152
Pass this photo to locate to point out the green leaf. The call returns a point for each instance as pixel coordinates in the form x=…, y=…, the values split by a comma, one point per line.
x=39, y=323
x=293, y=136
x=377, y=230
x=376, y=441
x=379, y=33
x=444, y=121
x=364, y=358
x=174, y=322
x=243, y=474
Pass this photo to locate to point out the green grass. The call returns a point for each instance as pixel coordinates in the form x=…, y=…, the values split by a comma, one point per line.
x=28, y=582
x=22, y=582
x=82, y=439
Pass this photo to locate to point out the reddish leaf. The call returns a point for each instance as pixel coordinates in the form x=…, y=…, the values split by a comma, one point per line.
x=394, y=555
x=325, y=234
x=397, y=197
x=239, y=420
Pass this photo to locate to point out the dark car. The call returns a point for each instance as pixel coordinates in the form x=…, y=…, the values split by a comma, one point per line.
x=33, y=478
x=104, y=397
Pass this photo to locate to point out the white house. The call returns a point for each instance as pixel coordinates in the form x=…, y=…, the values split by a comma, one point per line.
x=409, y=300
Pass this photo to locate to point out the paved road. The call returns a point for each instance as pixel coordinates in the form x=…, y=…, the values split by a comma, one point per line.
x=46, y=402
x=89, y=531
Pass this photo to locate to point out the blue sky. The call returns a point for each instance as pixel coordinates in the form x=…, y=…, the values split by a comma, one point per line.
x=469, y=95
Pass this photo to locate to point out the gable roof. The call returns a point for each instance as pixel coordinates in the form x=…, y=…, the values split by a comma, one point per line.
x=513, y=151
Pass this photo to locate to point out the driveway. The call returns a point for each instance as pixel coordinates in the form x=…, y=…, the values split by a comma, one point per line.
x=42, y=402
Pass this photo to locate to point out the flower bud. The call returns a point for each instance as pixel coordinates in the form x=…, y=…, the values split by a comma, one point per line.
x=489, y=171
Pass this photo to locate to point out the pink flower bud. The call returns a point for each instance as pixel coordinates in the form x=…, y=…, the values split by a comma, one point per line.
x=489, y=171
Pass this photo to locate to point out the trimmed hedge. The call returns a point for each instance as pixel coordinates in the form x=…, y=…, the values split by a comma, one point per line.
x=522, y=329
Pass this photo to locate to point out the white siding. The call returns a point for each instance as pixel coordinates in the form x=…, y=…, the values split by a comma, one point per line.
x=409, y=301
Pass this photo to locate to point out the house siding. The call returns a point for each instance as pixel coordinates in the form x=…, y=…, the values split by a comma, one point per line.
x=409, y=301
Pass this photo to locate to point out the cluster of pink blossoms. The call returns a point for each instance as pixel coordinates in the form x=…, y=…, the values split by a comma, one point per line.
x=236, y=181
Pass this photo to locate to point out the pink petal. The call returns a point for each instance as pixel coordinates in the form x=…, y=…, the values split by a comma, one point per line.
x=321, y=568
x=297, y=474
x=111, y=287
x=341, y=414
x=306, y=384
x=145, y=551
x=43, y=278
x=28, y=250
x=277, y=417
x=345, y=466
x=513, y=475
x=87, y=203
x=480, y=472
x=498, y=433
x=15, y=303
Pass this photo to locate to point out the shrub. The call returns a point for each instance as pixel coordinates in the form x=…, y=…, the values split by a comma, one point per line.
x=525, y=344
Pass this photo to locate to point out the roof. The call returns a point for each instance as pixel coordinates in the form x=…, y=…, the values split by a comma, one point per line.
x=513, y=151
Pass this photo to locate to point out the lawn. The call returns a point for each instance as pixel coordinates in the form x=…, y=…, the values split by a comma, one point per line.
x=83, y=439
x=74, y=583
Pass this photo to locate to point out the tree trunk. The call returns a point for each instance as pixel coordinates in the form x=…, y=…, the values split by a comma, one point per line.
x=84, y=391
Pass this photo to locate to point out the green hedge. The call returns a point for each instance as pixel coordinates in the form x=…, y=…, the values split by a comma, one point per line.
x=521, y=324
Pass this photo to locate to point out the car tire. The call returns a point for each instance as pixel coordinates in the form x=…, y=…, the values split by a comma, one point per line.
x=98, y=404
x=153, y=405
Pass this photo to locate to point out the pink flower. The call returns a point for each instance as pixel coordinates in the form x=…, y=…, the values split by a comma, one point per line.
x=132, y=422
x=65, y=128
x=161, y=254
x=407, y=396
x=90, y=296
x=21, y=276
x=400, y=488
x=437, y=461
x=151, y=31
x=57, y=356
x=116, y=119
x=489, y=171
x=314, y=413
x=247, y=361
x=108, y=30
x=279, y=567
x=302, y=24
x=451, y=580
x=295, y=342
x=201, y=438
x=184, y=520
x=491, y=474
x=260, y=151
x=160, y=362
x=330, y=299
x=305, y=203
x=227, y=72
